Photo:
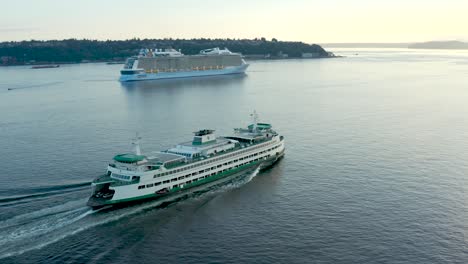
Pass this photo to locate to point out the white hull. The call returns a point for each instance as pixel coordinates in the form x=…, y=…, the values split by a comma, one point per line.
x=183, y=74
x=129, y=192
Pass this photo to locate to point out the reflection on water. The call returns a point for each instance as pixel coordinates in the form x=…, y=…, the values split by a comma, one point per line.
x=207, y=81
x=375, y=167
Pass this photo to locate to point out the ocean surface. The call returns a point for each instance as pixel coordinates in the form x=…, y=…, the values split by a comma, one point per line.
x=375, y=171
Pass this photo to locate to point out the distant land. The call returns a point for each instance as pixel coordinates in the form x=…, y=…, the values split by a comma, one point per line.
x=365, y=45
x=76, y=51
x=451, y=44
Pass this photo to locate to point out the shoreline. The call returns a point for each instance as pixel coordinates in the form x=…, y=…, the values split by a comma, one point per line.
x=247, y=58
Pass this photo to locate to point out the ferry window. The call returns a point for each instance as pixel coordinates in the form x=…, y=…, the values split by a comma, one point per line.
x=189, y=182
x=173, y=180
x=201, y=171
x=180, y=178
x=157, y=183
x=141, y=187
x=195, y=173
x=175, y=186
x=166, y=181
x=219, y=166
x=149, y=185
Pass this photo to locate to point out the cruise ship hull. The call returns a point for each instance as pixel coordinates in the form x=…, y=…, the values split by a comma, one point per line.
x=97, y=203
x=184, y=74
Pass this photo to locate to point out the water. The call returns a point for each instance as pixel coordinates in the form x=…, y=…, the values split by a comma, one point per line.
x=375, y=168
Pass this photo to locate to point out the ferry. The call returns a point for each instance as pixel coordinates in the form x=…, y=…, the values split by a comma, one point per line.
x=207, y=158
x=155, y=64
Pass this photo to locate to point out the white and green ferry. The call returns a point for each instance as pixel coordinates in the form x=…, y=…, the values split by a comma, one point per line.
x=207, y=158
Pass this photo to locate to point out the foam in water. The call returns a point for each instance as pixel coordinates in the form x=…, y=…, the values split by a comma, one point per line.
x=71, y=218
x=44, y=191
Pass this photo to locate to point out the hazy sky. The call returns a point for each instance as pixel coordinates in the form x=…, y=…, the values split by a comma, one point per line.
x=306, y=20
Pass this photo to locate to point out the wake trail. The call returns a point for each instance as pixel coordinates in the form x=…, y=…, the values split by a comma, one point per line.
x=237, y=183
x=34, y=225
x=69, y=207
x=69, y=219
x=43, y=192
x=100, y=219
x=33, y=85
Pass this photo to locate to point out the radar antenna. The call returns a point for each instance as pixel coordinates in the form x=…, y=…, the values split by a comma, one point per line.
x=254, y=115
x=136, y=143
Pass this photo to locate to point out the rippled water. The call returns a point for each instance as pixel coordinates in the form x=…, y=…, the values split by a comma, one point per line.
x=375, y=169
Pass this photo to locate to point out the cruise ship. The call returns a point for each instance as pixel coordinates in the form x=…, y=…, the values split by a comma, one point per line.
x=154, y=64
x=207, y=158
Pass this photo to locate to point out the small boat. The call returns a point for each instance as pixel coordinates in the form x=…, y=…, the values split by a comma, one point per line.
x=45, y=66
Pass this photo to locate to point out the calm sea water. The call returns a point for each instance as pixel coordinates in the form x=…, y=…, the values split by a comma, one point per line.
x=376, y=168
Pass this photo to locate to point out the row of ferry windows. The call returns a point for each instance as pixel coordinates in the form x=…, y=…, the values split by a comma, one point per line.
x=124, y=177
x=203, y=177
x=214, y=160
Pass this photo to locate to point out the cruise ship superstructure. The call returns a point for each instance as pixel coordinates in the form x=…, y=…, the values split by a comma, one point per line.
x=207, y=158
x=154, y=64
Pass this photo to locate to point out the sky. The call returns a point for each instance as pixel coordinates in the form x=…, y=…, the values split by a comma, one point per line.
x=311, y=21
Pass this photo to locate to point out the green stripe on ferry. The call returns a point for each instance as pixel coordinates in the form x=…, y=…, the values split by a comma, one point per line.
x=192, y=184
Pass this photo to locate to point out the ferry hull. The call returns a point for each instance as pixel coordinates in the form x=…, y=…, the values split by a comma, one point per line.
x=99, y=203
x=181, y=74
